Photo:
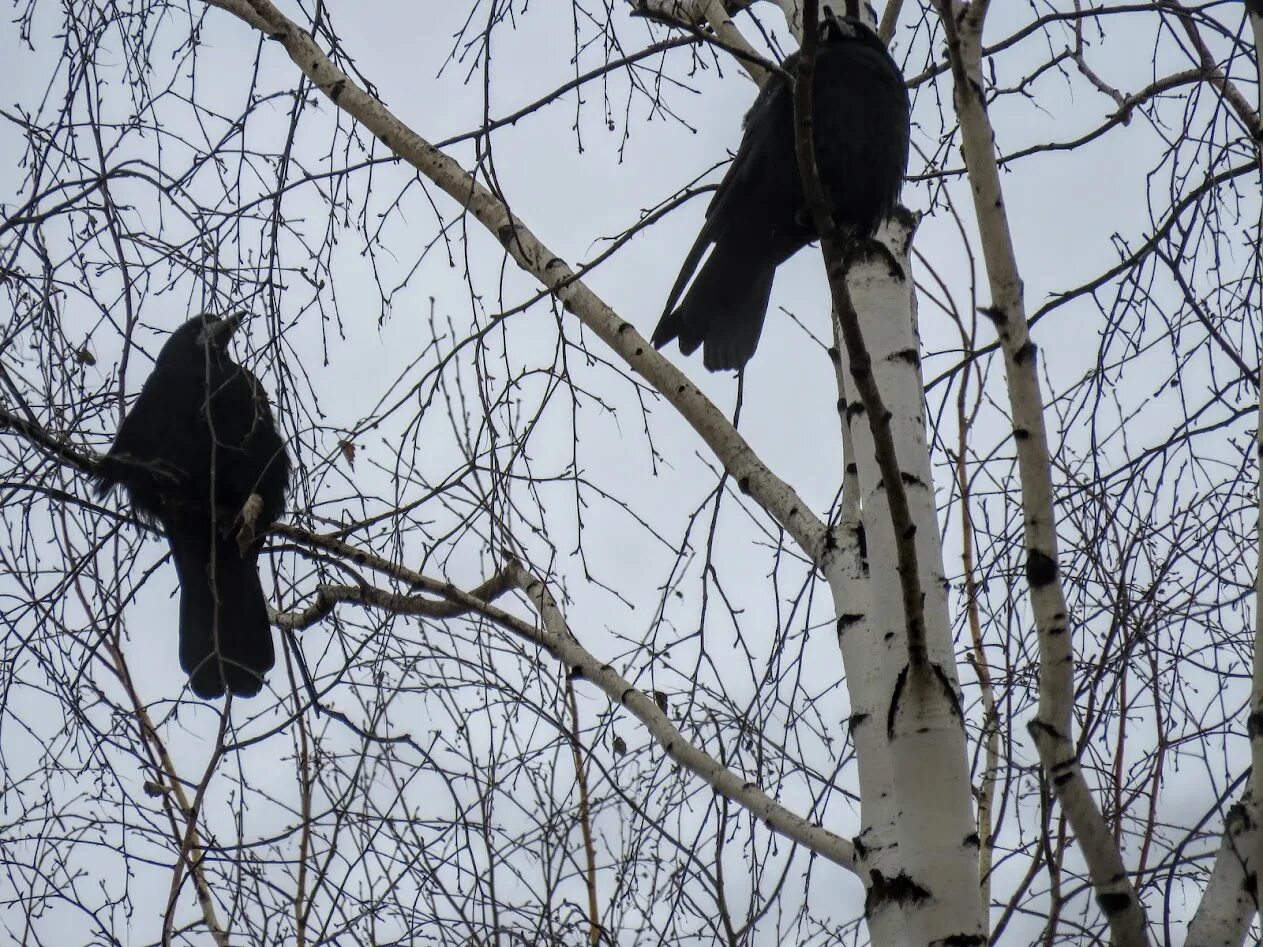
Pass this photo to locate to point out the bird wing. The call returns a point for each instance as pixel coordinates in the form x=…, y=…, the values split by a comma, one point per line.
x=160, y=425
x=265, y=460
x=757, y=124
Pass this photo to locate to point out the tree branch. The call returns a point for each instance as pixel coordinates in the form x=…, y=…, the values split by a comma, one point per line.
x=751, y=474
x=556, y=638
x=837, y=264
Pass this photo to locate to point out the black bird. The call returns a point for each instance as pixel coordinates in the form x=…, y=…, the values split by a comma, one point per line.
x=758, y=219
x=198, y=442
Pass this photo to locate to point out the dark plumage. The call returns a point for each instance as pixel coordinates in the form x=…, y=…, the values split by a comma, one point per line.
x=757, y=219
x=197, y=443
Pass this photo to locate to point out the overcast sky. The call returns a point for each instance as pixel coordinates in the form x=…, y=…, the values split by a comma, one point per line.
x=346, y=355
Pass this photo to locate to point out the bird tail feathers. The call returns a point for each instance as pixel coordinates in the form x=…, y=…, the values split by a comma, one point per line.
x=225, y=638
x=723, y=309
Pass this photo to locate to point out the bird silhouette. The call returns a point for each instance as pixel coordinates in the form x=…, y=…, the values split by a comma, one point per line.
x=758, y=218
x=198, y=443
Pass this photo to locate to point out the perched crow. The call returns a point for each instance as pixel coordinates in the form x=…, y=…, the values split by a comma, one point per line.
x=198, y=442
x=758, y=219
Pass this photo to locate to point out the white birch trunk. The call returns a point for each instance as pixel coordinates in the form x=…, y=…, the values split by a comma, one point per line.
x=929, y=883
x=867, y=666
x=1053, y=727
x=1227, y=905
x=1230, y=900
x=1255, y=728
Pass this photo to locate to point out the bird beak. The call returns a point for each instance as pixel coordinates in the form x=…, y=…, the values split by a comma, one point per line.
x=844, y=26
x=218, y=333
x=830, y=22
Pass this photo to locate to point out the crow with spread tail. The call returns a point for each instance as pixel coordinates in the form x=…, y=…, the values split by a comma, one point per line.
x=758, y=219
x=200, y=455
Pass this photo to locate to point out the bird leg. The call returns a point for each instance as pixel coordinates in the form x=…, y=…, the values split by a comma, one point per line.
x=250, y=513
